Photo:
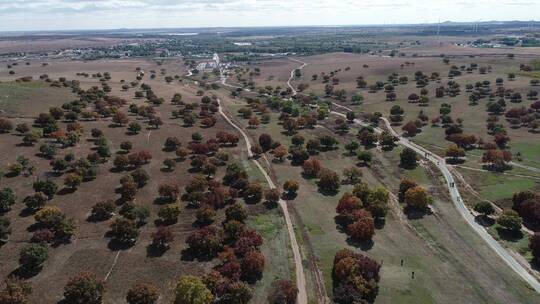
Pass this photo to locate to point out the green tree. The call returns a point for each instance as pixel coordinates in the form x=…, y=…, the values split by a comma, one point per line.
x=352, y=146
x=329, y=181
x=7, y=199
x=191, y=290
x=365, y=157
x=84, y=288
x=15, y=292
x=142, y=293
x=5, y=230
x=408, y=158
x=36, y=201
x=484, y=208
x=32, y=257
x=510, y=220
x=417, y=197
x=169, y=214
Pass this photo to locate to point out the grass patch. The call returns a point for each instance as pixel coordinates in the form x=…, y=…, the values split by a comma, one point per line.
x=275, y=248
x=30, y=98
x=491, y=185
x=530, y=152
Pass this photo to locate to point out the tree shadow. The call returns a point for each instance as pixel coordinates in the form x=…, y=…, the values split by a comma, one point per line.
x=11, y=174
x=93, y=218
x=163, y=200
x=379, y=222
x=116, y=245
x=116, y=170
x=153, y=251
x=288, y=196
x=535, y=264
x=252, y=279
x=25, y=274
x=191, y=255
x=270, y=204
x=415, y=213
x=509, y=235
x=363, y=245
x=455, y=161
x=408, y=166
x=485, y=221
x=327, y=192
x=65, y=191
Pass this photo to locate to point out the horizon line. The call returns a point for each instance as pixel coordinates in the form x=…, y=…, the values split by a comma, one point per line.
x=264, y=26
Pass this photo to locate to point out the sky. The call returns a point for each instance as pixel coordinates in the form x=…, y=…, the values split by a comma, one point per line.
x=26, y=15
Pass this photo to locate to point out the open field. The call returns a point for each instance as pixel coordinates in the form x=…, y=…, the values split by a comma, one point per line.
x=90, y=249
x=437, y=247
x=27, y=99
x=474, y=116
x=426, y=255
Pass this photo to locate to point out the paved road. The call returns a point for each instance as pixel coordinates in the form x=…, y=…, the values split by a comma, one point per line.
x=300, y=277
x=454, y=192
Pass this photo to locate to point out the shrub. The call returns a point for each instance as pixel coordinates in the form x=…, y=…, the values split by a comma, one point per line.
x=7, y=199
x=103, y=210
x=48, y=187
x=418, y=198
x=84, y=288
x=363, y=228
x=191, y=289
x=283, y=292
x=291, y=187
x=236, y=212
x=329, y=181
x=36, y=201
x=16, y=291
x=352, y=267
x=510, y=220
x=142, y=293
x=32, y=257
x=169, y=214
x=124, y=230
x=5, y=230
x=206, y=241
x=162, y=237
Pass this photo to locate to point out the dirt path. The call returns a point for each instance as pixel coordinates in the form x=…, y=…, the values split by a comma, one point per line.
x=300, y=277
x=292, y=74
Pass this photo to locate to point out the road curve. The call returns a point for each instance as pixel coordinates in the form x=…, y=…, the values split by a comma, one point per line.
x=300, y=277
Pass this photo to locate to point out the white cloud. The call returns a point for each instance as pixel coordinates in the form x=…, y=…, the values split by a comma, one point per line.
x=79, y=14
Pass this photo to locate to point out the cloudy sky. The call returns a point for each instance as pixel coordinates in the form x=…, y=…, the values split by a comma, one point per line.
x=106, y=14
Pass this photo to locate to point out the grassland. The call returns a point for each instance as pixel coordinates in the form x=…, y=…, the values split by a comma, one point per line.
x=30, y=98
x=450, y=262
x=90, y=248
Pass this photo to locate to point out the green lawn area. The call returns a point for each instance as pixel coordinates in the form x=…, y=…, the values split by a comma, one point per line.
x=530, y=152
x=31, y=98
x=276, y=249
x=496, y=187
